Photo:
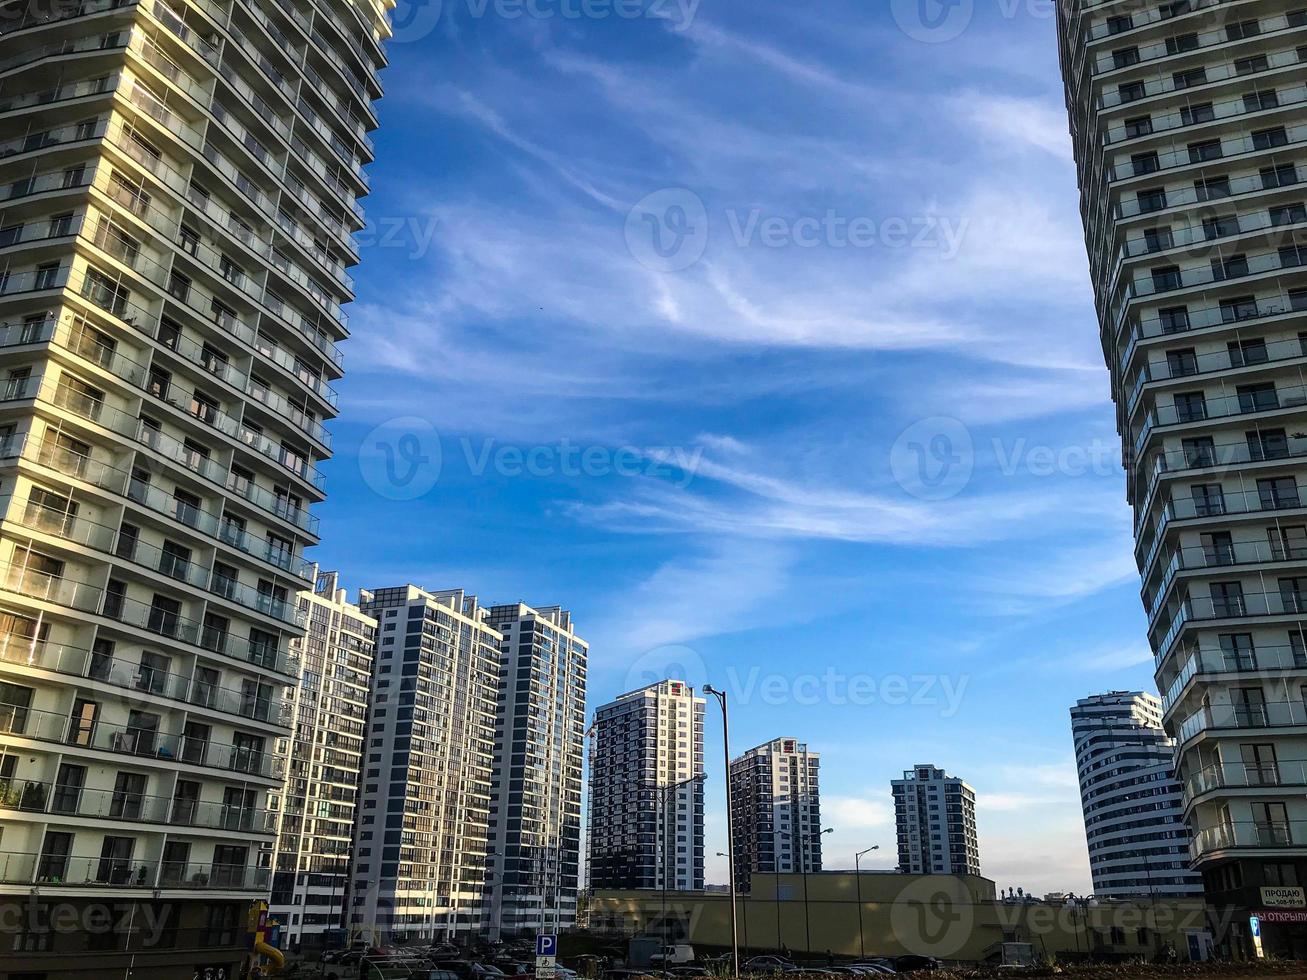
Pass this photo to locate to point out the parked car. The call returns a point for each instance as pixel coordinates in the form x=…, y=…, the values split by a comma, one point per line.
x=911, y=962
x=669, y=955
x=766, y=964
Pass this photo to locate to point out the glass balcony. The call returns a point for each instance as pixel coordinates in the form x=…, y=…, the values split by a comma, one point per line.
x=64, y=801
x=1250, y=834
x=59, y=729
x=45, y=870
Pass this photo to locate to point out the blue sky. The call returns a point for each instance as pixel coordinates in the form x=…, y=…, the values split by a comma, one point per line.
x=760, y=336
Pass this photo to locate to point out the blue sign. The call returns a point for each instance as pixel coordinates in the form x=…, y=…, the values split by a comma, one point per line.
x=546, y=945
x=1254, y=925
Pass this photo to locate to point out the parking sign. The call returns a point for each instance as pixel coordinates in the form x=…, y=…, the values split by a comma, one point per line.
x=546, y=945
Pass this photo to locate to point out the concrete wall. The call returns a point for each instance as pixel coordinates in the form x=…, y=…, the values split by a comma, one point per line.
x=953, y=917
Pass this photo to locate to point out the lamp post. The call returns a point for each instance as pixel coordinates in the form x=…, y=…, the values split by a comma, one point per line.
x=803, y=856
x=667, y=862
x=744, y=918
x=857, y=874
x=730, y=825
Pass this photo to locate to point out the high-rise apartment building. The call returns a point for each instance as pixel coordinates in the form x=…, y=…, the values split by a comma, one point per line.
x=646, y=790
x=1138, y=842
x=422, y=850
x=1187, y=121
x=179, y=181
x=777, y=803
x=324, y=763
x=935, y=815
x=535, y=809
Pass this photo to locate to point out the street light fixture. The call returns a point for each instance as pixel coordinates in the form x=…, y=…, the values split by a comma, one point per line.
x=857, y=874
x=730, y=826
x=803, y=856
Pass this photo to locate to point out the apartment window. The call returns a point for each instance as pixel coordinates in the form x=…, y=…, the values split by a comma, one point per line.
x=1246, y=66
x=1157, y=239
x=1288, y=214
x=1257, y=101
x=1266, y=444
x=1181, y=43
x=1138, y=126
x=1125, y=57
x=1131, y=91
x=1144, y=163
x=1229, y=268
x=1204, y=151
x=1265, y=139
x=1220, y=227
x=1153, y=199
x=1191, y=115
x=1281, y=175
x=1166, y=278
x=1119, y=23
x=1277, y=493
x=1212, y=188
x=1242, y=29
x=1174, y=319
x=1189, y=78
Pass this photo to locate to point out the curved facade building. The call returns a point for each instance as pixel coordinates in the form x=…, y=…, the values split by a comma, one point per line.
x=179, y=183
x=1138, y=843
x=1189, y=124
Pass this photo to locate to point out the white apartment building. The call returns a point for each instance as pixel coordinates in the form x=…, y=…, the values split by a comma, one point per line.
x=646, y=790
x=422, y=850
x=535, y=808
x=935, y=815
x=776, y=798
x=1189, y=127
x=179, y=182
x=317, y=808
x=1134, y=826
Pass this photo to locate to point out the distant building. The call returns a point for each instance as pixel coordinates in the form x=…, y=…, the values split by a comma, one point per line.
x=323, y=763
x=1138, y=842
x=535, y=811
x=936, y=818
x=777, y=810
x=646, y=790
x=420, y=861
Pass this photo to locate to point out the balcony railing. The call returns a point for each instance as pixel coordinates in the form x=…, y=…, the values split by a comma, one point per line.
x=77, y=662
x=51, y=870
x=1249, y=605
x=1287, y=834
x=58, y=800
x=1242, y=718
x=1204, y=662
x=141, y=742
x=151, y=618
x=1251, y=775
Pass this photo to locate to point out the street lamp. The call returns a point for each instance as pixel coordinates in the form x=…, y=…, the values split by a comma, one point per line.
x=730, y=826
x=803, y=856
x=744, y=918
x=857, y=874
x=668, y=838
